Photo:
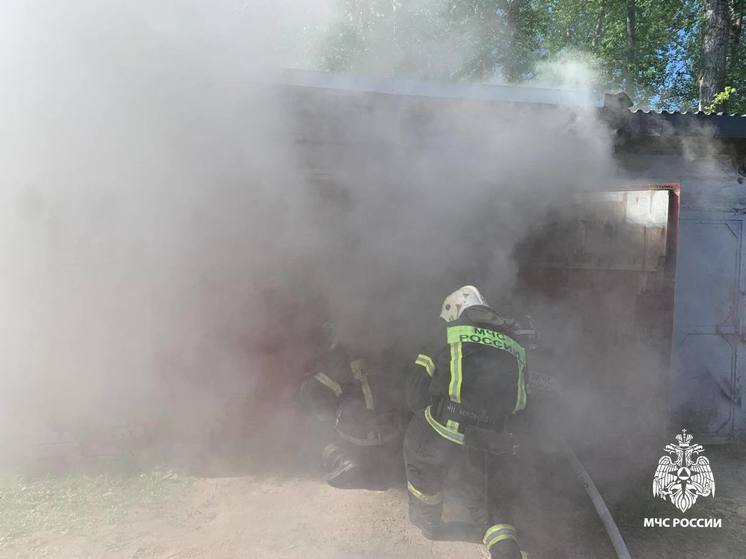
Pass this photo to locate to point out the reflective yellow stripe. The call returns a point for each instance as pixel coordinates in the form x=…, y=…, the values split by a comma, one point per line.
x=498, y=533
x=521, y=398
x=495, y=527
x=442, y=430
x=490, y=338
x=500, y=538
x=330, y=383
x=358, y=371
x=427, y=362
x=427, y=499
x=367, y=394
x=454, y=388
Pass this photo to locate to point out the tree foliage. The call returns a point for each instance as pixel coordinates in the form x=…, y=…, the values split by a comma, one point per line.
x=632, y=55
x=435, y=39
x=652, y=49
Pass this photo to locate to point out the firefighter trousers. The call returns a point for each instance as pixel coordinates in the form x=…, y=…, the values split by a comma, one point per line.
x=488, y=485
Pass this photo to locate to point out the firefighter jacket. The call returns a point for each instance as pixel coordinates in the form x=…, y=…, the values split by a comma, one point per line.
x=357, y=395
x=475, y=376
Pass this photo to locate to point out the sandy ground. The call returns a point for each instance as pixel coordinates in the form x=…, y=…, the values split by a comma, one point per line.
x=301, y=518
x=253, y=518
x=282, y=515
x=275, y=507
x=270, y=518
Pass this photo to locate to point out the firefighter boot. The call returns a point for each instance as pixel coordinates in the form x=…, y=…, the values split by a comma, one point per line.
x=506, y=549
x=342, y=470
x=501, y=542
x=427, y=517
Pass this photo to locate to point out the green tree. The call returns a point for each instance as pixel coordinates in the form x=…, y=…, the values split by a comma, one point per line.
x=691, y=83
x=436, y=39
x=664, y=53
x=632, y=40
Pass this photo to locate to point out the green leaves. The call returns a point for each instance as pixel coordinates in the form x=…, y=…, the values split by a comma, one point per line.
x=649, y=48
x=721, y=98
x=437, y=39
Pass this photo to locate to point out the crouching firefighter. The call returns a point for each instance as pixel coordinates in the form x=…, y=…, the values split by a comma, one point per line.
x=462, y=395
x=361, y=422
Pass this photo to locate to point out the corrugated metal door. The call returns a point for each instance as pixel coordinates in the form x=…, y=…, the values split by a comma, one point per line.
x=707, y=347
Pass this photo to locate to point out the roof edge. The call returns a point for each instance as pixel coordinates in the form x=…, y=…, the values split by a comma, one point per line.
x=437, y=89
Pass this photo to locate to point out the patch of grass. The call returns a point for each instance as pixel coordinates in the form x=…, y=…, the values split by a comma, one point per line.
x=63, y=504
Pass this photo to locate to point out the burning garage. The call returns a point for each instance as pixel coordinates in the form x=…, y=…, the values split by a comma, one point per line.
x=253, y=312
x=618, y=232
x=620, y=236
x=639, y=260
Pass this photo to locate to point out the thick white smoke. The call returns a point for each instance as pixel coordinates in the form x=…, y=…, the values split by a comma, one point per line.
x=141, y=206
x=165, y=234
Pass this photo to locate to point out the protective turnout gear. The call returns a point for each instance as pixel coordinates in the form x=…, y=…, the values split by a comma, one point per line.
x=478, y=344
x=321, y=392
x=487, y=485
x=463, y=395
x=501, y=542
x=353, y=401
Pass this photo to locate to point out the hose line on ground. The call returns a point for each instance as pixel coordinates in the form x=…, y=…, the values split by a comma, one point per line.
x=598, y=503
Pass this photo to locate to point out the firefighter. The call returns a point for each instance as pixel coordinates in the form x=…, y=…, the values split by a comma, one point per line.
x=462, y=395
x=360, y=415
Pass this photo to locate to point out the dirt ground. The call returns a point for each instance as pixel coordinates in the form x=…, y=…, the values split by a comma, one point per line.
x=251, y=516
x=248, y=517
x=276, y=507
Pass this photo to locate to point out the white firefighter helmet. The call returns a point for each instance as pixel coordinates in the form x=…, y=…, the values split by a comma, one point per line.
x=463, y=298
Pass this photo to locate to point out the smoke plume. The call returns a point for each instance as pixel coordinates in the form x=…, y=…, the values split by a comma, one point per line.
x=175, y=227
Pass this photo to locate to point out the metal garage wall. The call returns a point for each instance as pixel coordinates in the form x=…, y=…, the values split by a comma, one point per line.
x=709, y=323
x=708, y=344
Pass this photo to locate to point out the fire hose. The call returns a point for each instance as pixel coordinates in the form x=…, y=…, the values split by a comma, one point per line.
x=617, y=541
x=612, y=530
x=598, y=503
